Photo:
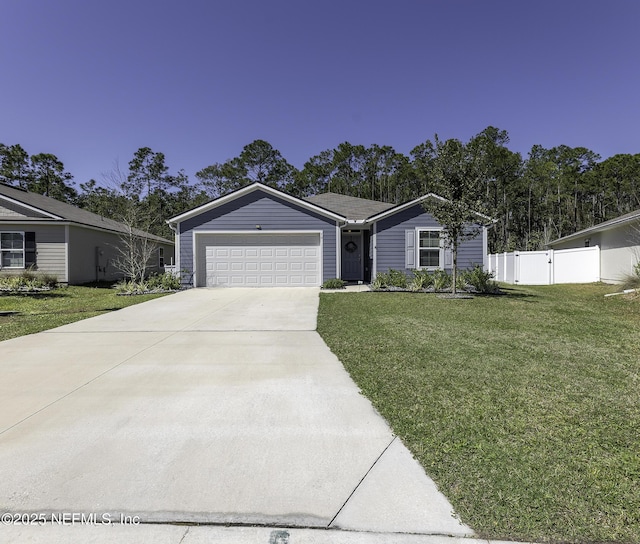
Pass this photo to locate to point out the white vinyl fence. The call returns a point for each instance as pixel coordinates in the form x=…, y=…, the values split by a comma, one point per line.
x=578, y=265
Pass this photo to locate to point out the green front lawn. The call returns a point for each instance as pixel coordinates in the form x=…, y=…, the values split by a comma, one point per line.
x=525, y=408
x=42, y=311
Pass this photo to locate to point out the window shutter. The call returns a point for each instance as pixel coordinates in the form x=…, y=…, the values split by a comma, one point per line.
x=410, y=249
x=448, y=257
x=29, y=249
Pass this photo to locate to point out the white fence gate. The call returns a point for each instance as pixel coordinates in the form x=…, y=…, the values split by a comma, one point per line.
x=578, y=265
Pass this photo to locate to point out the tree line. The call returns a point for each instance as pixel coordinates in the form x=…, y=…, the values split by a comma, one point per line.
x=535, y=199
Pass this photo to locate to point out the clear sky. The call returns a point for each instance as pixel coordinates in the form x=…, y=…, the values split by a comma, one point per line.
x=92, y=81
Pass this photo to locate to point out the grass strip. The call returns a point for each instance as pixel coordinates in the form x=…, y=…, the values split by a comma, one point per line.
x=524, y=408
x=46, y=310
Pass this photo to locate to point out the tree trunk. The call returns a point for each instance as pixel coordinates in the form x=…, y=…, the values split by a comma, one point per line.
x=454, y=273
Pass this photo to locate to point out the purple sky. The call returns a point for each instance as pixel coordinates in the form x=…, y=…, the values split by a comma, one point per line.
x=93, y=81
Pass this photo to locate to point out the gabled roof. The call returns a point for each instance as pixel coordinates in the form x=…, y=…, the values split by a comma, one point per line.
x=247, y=189
x=606, y=225
x=339, y=207
x=351, y=207
x=56, y=211
x=420, y=200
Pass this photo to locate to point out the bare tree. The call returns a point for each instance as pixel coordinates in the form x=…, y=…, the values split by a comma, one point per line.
x=136, y=248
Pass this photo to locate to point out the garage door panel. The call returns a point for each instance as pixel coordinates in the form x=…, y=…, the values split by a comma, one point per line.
x=261, y=260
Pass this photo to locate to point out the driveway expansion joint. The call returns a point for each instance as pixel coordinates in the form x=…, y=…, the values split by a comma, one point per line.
x=361, y=480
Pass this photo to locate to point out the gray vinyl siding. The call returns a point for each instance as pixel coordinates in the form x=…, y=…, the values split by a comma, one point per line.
x=390, y=240
x=83, y=255
x=50, y=248
x=12, y=210
x=86, y=265
x=258, y=208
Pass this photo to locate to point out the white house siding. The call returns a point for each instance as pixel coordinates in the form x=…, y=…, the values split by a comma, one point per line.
x=50, y=248
x=619, y=251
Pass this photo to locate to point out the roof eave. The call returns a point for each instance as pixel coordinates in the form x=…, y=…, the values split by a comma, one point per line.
x=419, y=200
x=30, y=207
x=612, y=224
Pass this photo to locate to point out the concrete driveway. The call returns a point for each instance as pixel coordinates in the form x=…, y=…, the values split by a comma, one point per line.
x=218, y=406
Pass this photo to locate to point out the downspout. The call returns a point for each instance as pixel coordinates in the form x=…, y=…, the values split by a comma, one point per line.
x=174, y=228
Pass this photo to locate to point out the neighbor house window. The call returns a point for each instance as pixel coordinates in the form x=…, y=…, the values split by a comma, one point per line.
x=12, y=249
x=429, y=248
x=161, y=257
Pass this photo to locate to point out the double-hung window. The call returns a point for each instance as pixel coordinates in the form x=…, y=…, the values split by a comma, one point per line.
x=429, y=250
x=11, y=249
x=161, y=257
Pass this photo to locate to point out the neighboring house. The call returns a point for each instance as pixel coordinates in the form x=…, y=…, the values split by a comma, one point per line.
x=259, y=236
x=619, y=243
x=49, y=236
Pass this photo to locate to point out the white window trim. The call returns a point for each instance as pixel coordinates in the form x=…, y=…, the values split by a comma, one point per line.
x=417, y=248
x=13, y=250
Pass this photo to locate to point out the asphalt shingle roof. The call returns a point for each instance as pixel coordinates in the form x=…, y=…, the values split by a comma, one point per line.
x=350, y=207
x=66, y=212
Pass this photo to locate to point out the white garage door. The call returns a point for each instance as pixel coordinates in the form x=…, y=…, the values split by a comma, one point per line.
x=261, y=260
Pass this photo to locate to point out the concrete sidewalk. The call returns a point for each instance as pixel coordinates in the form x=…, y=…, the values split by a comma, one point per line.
x=219, y=406
x=173, y=534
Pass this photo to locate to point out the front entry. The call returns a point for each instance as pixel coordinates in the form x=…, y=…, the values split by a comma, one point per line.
x=352, y=256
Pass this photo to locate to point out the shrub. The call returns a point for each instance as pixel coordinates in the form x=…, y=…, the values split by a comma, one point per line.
x=422, y=279
x=381, y=281
x=393, y=278
x=632, y=281
x=480, y=280
x=28, y=281
x=165, y=282
x=129, y=287
x=441, y=280
x=334, y=283
x=397, y=278
x=154, y=284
